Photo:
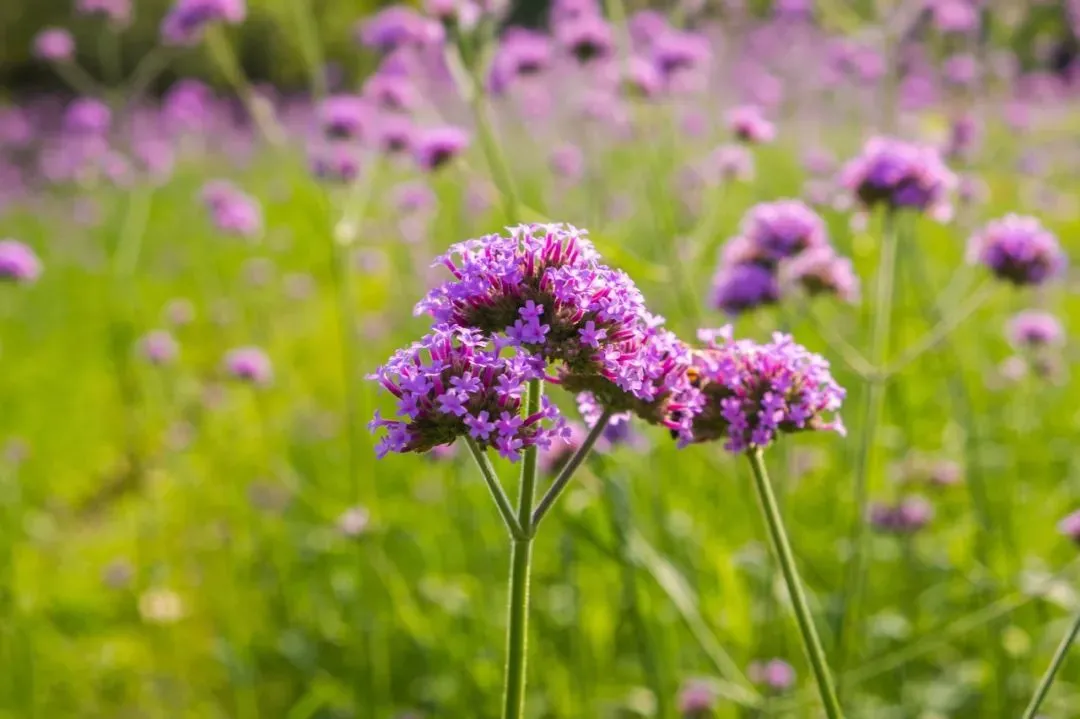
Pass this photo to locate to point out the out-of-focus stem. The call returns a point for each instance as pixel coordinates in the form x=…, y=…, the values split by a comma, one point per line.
x=310, y=46
x=261, y=113
x=1051, y=671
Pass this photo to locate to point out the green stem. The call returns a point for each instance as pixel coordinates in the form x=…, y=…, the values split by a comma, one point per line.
x=258, y=109
x=786, y=558
x=567, y=472
x=517, y=629
x=309, y=45
x=873, y=408
x=1051, y=671
x=495, y=487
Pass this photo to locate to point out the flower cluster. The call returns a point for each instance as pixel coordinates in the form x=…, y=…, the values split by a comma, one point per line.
x=748, y=125
x=754, y=392
x=781, y=245
x=398, y=26
x=54, y=45
x=117, y=12
x=899, y=175
x=1033, y=330
x=907, y=516
x=18, y=263
x=249, y=364
x=233, y=211
x=456, y=382
x=1070, y=526
x=776, y=675
x=1017, y=249
x=188, y=19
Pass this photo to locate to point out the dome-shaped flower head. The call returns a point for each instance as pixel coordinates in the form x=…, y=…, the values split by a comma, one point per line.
x=646, y=378
x=776, y=675
x=456, y=382
x=87, y=116
x=249, y=364
x=159, y=347
x=1069, y=526
x=334, y=162
x=18, y=263
x=54, y=44
x=118, y=12
x=587, y=38
x=749, y=125
x=188, y=106
x=680, y=51
x=899, y=175
x=188, y=19
x=1017, y=249
x=647, y=25
x=954, y=16
x=641, y=78
x=820, y=271
x=463, y=14
x=436, y=147
x=392, y=92
x=233, y=211
x=564, y=11
x=730, y=163
x=395, y=134
x=521, y=53
x=1033, y=329
x=344, y=117
x=782, y=229
x=697, y=700
x=398, y=26
x=907, y=516
x=754, y=392
x=743, y=286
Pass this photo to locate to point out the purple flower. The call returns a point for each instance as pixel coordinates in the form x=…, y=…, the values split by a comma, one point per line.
x=961, y=70
x=647, y=25
x=755, y=392
x=954, y=16
x=159, y=347
x=750, y=126
x=455, y=382
x=1070, y=526
x=54, y=44
x=697, y=700
x=642, y=78
x=1032, y=330
x=899, y=175
x=741, y=287
x=413, y=197
x=1017, y=249
x=395, y=134
x=353, y=522
x=437, y=147
x=249, y=364
x=18, y=263
x=344, y=117
x=587, y=38
x=780, y=230
x=820, y=271
x=678, y=51
x=567, y=161
x=775, y=674
x=87, y=116
x=398, y=26
x=233, y=211
x=521, y=53
x=188, y=19
x=335, y=162
x=907, y=516
x=963, y=136
x=117, y=12
x=730, y=163
x=391, y=92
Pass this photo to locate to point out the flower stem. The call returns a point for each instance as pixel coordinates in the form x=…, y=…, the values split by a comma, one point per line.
x=567, y=472
x=786, y=559
x=872, y=411
x=1051, y=671
x=506, y=510
x=517, y=629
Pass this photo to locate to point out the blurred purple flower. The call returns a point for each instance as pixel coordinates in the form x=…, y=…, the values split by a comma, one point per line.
x=1017, y=249
x=1033, y=329
x=782, y=229
x=398, y=26
x=414, y=197
x=820, y=271
x=387, y=91
x=776, y=675
x=521, y=53
x=117, y=12
x=249, y=364
x=344, y=117
x=567, y=161
x=899, y=175
x=647, y=25
x=743, y=287
x=587, y=38
x=54, y=44
x=159, y=347
x=436, y=147
x=1070, y=526
x=334, y=162
x=18, y=263
x=748, y=125
x=354, y=521
x=961, y=70
x=87, y=116
x=233, y=211
x=730, y=163
x=907, y=516
x=697, y=700
x=188, y=19
x=954, y=16
x=679, y=51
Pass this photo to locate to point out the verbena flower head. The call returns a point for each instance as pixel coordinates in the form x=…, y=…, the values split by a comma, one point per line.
x=1017, y=249
x=697, y=700
x=18, y=263
x=521, y=53
x=1032, y=329
x=249, y=364
x=54, y=44
x=232, y=210
x=1070, y=526
x=398, y=26
x=456, y=382
x=395, y=134
x=676, y=51
x=954, y=16
x=899, y=175
x=188, y=19
x=87, y=116
x=780, y=230
x=587, y=37
x=820, y=271
x=437, y=147
x=344, y=117
x=774, y=674
x=749, y=125
x=391, y=92
x=754, y=392
x=961, y=70
x=641, y=78
x=907, y=516
x=335, y=162
x=159, y=347
x=744, y=286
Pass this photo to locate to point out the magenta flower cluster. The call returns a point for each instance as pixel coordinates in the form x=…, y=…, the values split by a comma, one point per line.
x=781, y=246
x=1017, y=249
x=232, y=210
x=755, y=392
x=900, y=175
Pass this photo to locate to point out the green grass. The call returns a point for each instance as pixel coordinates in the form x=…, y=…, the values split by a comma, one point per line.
x=653, y=567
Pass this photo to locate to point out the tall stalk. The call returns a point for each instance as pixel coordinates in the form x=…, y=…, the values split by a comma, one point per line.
x=786, y=559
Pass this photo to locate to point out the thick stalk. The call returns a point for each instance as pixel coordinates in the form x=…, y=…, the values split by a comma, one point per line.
x=786, y=559
x=873, y=406
x=517, y=629
x=1051, y=671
